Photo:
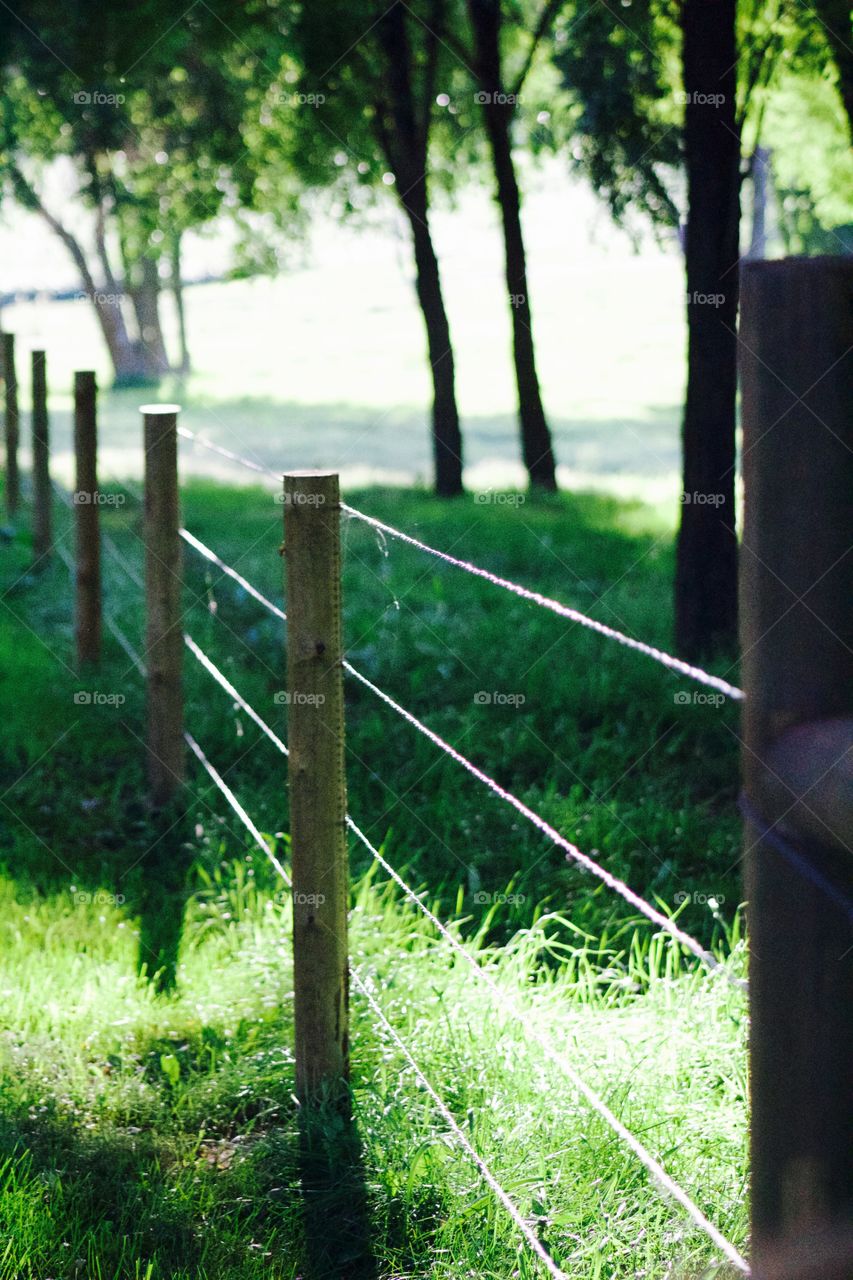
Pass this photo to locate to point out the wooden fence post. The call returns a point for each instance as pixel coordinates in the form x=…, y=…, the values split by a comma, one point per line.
x=797, y=644
x=42, y=496
x=164, y=645
x=317, y=782
x=10, y=376
x=88, y=625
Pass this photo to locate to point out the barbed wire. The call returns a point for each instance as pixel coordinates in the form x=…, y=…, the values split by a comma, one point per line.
x=663, y=1179
x=196, y=543
x=555, y=606
x=571, y=850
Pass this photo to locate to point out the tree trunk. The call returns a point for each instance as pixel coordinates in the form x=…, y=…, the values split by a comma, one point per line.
x=760, y=173
x=403, y=134
x=446, y=433
x=498, y=110
x=146, y=304
x=178, y=295
x=706, y=563
x=107, y=305
x=834, y=16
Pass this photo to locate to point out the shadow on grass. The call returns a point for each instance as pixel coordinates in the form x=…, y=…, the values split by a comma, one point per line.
x=336, y=1216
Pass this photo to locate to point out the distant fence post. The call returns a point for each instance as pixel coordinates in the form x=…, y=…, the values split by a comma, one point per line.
x=42, y=496
x=164, y=645
x=88, y=625
x=797, y=644
x=12, y=425
x=317, y=781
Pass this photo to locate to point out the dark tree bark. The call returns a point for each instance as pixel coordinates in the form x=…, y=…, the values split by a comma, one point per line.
x=498, y=106
x=178, y=295
x=835, y=18
x=145, y=296
x=706, y=565
x=403, y=132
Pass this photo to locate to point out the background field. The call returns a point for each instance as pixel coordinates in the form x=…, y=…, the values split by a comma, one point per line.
x=326, y=365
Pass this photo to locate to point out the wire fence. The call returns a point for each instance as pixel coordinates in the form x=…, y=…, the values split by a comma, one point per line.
x=502, y=1000
x=801, y=910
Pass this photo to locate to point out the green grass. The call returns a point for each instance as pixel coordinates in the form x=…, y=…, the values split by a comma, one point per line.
x=147, y=1128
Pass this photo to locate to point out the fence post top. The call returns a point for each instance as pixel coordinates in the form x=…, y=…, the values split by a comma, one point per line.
x=311, y=475
x=159, y=410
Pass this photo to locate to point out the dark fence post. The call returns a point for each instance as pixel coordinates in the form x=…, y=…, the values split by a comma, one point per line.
x=164, y=645
x=42, y=496
x=317, y=781
x=88, y=624
x=10, y=376
x=797, y=643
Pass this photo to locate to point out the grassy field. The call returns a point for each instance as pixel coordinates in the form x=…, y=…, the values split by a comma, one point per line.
x=148, y=1127
x=325, y=365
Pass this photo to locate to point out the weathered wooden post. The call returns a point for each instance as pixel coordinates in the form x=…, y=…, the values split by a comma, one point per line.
x=164, y=636
x=797, y=642
x=12, y=425
x=42, y=496
x=317, y=781
x=88, y=623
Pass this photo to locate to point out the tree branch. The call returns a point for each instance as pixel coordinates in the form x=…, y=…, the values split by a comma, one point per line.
x=546, y=18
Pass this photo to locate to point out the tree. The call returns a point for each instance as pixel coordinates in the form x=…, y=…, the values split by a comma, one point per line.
x=706, y=553
x=354, y=112
x=150, y=130
x=498, y=99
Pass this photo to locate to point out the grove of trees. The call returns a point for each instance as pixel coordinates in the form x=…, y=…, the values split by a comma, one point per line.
x=258, y=111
